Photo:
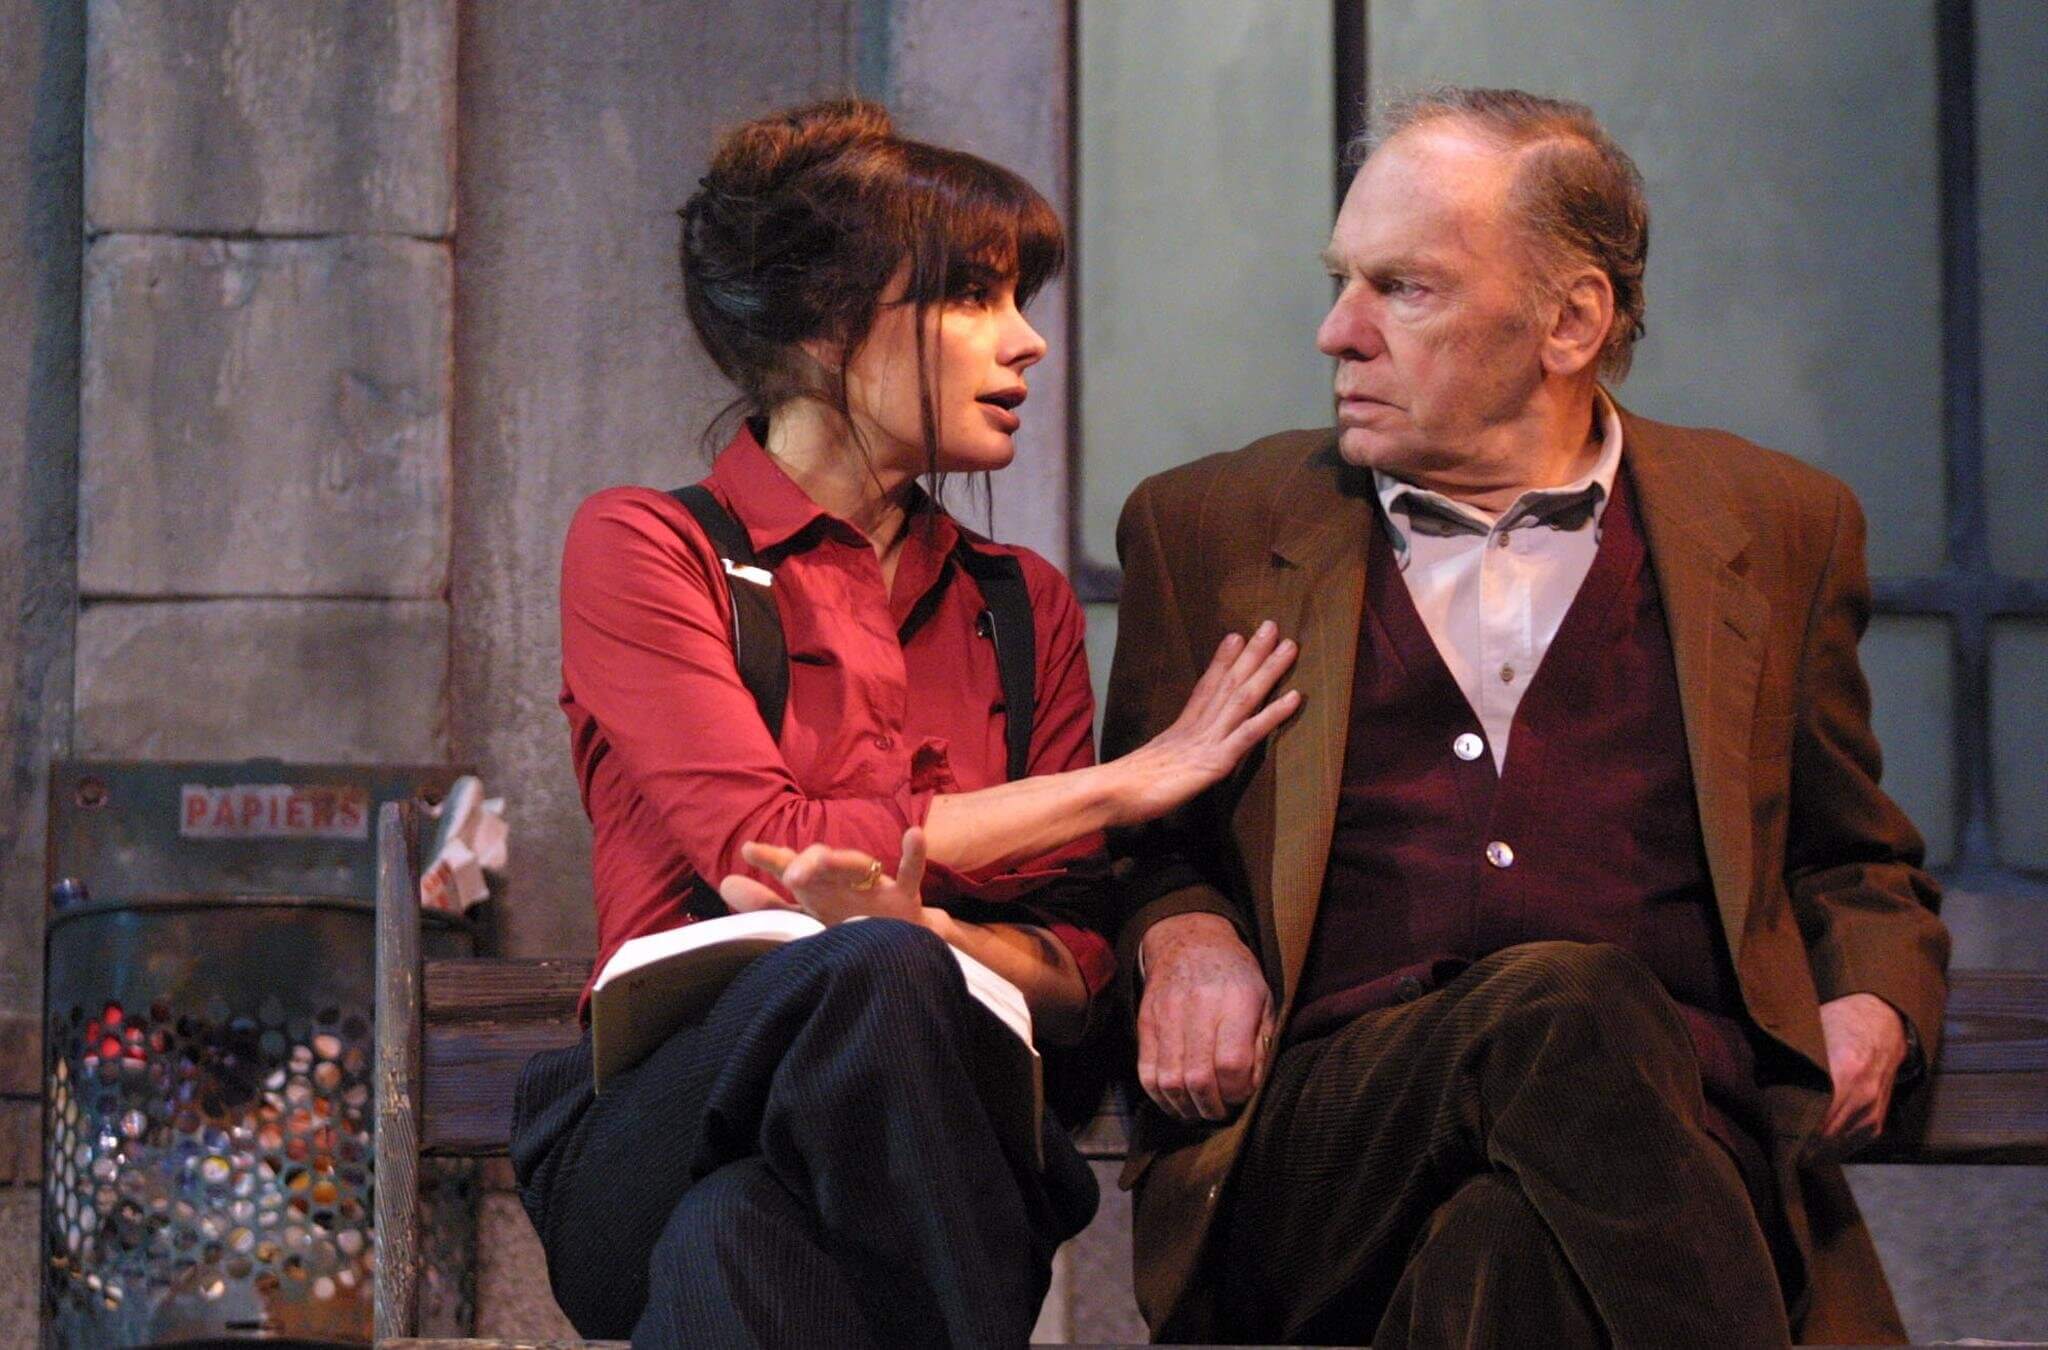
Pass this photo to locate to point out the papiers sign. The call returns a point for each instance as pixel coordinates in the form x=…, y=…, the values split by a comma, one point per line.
x=273, y=811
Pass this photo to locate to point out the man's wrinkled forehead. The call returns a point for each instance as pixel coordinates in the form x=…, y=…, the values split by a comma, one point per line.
x=1432, y=189
x=1442, y=160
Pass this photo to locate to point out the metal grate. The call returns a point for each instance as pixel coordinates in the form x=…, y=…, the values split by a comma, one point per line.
x=208, y=1126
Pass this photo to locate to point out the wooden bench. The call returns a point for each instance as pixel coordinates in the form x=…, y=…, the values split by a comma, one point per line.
x=453, y=1035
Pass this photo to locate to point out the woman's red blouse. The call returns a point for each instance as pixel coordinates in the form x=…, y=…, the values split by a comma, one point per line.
x=893, y=696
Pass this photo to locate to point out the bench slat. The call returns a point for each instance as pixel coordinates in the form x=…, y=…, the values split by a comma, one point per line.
x=470, y=1071
x=479, y=989
x=1978, y=1118
x=485, y=1018
x=1997, y=1022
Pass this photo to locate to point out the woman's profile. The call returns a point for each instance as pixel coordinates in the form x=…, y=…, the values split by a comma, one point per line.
x=815, y=1162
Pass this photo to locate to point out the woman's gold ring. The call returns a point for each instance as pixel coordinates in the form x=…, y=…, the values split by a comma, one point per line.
x=872, y=877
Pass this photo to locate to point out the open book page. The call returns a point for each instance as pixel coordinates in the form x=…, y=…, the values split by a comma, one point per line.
x=657, y=984
x=663, y=981
x=997, y=994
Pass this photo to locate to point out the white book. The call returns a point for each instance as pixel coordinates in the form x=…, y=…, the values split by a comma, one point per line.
x=659, y=983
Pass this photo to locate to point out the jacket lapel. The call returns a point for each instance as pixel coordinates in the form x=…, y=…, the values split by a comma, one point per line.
x=1718, y=623
x=1316, y=594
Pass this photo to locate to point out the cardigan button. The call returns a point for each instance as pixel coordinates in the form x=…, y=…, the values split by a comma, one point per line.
x=1499, y=854
x=1407, y=989
x=1468, y=746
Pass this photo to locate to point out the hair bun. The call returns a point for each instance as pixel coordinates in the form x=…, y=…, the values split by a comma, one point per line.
x=770, y=152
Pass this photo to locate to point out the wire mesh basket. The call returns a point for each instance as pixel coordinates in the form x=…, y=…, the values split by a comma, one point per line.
x=207, y=1126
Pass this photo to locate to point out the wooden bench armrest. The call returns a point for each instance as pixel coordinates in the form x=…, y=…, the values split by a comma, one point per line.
x=396, y=1083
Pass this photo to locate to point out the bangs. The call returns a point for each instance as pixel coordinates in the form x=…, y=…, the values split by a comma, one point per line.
x=980, y=224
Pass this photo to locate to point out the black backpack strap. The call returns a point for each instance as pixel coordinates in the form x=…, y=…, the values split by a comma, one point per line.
x=758, y=648
x=763, y=656
x=1001, y=579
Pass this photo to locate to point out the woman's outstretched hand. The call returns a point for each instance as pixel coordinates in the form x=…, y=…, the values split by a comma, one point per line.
x=832, y=884
x=1222, y=721
x=994, y=827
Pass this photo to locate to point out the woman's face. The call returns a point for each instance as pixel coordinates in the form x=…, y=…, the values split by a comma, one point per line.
x=978, y=350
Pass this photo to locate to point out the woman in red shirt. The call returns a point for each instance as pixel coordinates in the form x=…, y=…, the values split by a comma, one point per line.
x=815, y=1162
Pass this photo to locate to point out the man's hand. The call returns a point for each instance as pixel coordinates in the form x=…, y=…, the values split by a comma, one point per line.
x=1866, y=1046
x=1206, y=1019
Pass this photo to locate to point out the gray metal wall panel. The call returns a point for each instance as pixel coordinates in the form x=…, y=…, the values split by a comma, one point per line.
x=1206, y=135
x=42, y=46
x=1789, y=152
x=2012, y=186
x=584, y=129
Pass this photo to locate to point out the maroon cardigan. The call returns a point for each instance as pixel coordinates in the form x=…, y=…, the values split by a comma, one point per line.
x=1589, y=833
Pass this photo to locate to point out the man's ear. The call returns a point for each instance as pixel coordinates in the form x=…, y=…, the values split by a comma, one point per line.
x=1585, y=314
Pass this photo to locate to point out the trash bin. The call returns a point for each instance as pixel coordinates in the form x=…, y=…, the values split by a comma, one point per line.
x=208, y=1108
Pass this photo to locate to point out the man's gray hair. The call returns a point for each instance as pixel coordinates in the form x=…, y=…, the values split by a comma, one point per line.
x=1578, y=195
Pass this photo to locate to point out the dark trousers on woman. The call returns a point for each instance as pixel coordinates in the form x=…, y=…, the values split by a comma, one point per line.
x=812, y=1165
x=1517, y=1158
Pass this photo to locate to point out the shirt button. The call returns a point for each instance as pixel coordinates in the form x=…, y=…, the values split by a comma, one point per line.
x=885, y=742
x=1501, y=540
x=1407, y=989
x=1468, y=746
x=1499, y=854
x=1507, y=674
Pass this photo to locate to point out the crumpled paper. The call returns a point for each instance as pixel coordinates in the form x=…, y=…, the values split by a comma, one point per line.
x=471, y=840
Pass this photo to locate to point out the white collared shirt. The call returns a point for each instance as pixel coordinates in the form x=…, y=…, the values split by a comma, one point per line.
x=1492, y=590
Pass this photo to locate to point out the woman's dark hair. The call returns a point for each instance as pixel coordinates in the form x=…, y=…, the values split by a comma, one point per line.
x=805, y=216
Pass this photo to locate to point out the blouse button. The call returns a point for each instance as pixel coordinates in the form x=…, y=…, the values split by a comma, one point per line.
x=885, y=742
x=1499, y=854
x=1467, y=746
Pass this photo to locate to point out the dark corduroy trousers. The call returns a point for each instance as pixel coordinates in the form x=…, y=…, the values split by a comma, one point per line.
x=1516, y=1158
x=811, y=1165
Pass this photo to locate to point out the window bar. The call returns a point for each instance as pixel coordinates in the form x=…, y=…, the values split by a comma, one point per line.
x=1968, y=591
x=1962, y=418
x=1095, y=582
x=1347, y=30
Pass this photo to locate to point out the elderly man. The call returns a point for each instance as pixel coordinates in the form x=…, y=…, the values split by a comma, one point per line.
x=1532, y=983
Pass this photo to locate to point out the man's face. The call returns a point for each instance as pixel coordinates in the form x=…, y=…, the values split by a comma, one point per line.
x=1434, y=344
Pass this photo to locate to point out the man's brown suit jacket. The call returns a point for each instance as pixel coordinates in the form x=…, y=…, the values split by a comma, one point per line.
x=1759, y=561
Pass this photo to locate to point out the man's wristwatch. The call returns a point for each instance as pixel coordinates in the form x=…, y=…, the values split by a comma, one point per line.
x=1914, y=1067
